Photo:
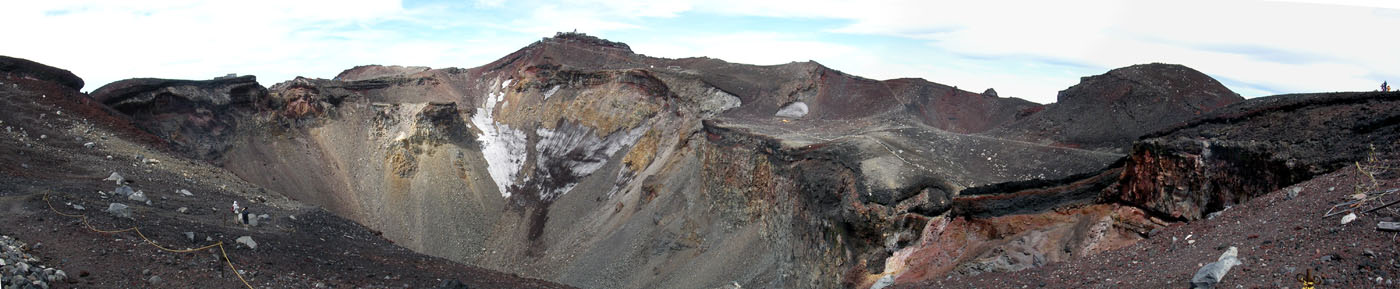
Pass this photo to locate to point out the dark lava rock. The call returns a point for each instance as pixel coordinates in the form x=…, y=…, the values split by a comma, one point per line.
x=951, y=109
x=452, y=284
x=26, y=68
x=1255, y=147
x=196, y=116
x=1110, y=110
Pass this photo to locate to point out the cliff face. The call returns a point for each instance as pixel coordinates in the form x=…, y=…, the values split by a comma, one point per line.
x=200, y=117
x=1257, y=146
x=577, y=161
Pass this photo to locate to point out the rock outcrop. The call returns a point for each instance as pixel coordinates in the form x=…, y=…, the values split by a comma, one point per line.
x=1111, y=110
x=1257, y=146
x=199, y=117
x=18, y=67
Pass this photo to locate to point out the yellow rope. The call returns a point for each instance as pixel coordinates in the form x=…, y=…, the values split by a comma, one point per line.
x=153, y=243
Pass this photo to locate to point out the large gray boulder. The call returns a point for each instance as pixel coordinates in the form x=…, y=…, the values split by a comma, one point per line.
x=247, y=241
x=793, y=110
x=1212, y=273
x=120, y=210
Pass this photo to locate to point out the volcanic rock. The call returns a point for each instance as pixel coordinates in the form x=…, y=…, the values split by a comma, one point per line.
x=1111, y=110
x=18, y=67
x=1214, y=272
x=197, y=116
x=247, y=241
x=119, y=210
x=1254, y=147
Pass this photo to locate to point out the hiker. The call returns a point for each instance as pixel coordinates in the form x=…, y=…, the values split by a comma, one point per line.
x=243, y=216
x=1385, y=86
x=240, y=214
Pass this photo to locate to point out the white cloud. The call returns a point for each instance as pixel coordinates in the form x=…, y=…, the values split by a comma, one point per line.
x=104, y=41
x=1282, y=46
x=1028, y=49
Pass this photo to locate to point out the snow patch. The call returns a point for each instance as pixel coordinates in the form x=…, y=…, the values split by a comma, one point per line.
x=794, y=110
x=503, y=147
x=551, y=92
x=577, y=151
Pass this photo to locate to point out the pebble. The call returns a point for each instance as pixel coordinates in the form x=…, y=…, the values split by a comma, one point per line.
x=89, y=144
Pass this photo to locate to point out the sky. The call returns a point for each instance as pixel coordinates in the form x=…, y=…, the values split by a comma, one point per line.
x=1025, y=49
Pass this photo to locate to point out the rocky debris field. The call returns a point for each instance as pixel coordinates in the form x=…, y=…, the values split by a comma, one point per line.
x=1280, y=236
x=22, y=270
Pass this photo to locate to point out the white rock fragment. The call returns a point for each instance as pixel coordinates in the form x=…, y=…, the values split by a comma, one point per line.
x=793, y=110
x=1348, y=218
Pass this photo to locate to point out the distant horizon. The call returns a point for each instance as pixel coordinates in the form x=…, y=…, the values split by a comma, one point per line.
x=1023, y=49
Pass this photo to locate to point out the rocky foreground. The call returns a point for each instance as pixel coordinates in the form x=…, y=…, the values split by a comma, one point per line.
x=578, y=161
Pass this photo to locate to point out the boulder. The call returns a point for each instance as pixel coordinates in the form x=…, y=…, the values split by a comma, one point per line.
x=124, y=191
x=793, y=110
x=1212, y=273
x=990, y=92
x=119, y=210
x=138, y=196
x=247, y=241
x=115, y=177
x=451, y=284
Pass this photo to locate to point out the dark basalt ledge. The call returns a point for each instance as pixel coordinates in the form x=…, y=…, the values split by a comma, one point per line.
x=26, y=68
x=1255, y=147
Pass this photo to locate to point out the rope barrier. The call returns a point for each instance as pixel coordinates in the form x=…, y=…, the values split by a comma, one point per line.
x=153, y=243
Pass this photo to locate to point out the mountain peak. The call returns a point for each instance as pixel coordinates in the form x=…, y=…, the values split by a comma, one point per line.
x=585, y=39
